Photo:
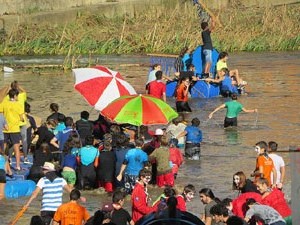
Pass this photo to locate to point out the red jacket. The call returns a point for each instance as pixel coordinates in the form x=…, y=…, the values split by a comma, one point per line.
x=181, y=204
x=276, y=200
x=238, y=203
x=140, y=207
x=176, y=158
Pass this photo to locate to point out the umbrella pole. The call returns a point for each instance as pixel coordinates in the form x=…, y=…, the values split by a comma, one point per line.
x=139, y=132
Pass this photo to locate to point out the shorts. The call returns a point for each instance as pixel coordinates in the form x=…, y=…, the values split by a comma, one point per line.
x=2, y=145
x=208, y=55
x=69, y=176
x=47, y=216
x=2, y=176
x=12, y=138
x=192, y=150
x=230, y=122
x=183, y=107
x=165, y=180
x=129, y=182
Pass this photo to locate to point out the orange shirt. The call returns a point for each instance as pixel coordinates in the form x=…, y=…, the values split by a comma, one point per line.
x=71, y=213
x=180, y=93
x=267, y=164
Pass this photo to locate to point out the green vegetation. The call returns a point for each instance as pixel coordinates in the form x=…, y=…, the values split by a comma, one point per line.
x=161, y=30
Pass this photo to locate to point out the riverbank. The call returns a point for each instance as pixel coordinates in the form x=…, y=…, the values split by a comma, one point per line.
x=161, y=29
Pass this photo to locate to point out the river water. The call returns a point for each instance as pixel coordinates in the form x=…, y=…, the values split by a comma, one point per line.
x=273, y=89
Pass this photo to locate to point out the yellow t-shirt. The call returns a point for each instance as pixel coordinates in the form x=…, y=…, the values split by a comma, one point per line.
x=22, y=97
x=12, y=111
x=221, y=65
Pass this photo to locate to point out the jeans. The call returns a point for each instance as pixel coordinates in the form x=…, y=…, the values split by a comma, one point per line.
x=208, y=55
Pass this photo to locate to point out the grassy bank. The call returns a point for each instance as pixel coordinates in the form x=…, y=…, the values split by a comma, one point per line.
x=159, y=29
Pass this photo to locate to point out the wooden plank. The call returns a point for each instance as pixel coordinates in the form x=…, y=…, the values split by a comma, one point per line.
x=163, y=55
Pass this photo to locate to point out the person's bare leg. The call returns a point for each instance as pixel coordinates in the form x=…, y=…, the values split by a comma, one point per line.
x=235, y=73
x=8, y=169
x=2, y=187
x=207, y=67
x=17, y=155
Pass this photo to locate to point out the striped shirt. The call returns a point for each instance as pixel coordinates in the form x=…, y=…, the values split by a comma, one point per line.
x=52, y=193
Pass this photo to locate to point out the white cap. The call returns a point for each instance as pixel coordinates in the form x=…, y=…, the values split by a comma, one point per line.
x=159, y=132
x=48, y=166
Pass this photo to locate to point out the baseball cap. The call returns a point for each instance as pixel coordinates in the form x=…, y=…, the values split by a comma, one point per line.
x=159, y=132
x=48, y=166
x=107, y=207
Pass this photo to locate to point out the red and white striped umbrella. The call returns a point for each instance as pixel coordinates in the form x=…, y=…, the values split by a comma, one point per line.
x=100, y=85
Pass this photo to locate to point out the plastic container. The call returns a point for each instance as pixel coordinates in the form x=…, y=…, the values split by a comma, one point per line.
x=170, y=88
x=19, y=188
x=202, y=89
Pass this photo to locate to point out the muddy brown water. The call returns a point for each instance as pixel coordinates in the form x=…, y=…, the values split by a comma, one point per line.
x=273, y=88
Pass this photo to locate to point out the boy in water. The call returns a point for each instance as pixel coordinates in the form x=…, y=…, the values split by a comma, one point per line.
x=119, y=215
x=207, y=44
x=278, y=163
x=233, y=110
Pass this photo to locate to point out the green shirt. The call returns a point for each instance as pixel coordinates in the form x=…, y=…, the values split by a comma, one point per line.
x=233, y=108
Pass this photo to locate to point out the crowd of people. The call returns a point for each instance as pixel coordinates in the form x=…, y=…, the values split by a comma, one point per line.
x=82, y=155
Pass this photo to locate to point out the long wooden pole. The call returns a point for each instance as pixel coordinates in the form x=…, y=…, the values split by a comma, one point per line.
x=18, y=216
x=209, y=12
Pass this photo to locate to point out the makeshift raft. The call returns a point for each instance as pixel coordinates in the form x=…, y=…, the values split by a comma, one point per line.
x=200, y=89
x=17, y=186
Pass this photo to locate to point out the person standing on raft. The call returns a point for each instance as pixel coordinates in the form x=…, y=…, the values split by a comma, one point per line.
x=233, y=110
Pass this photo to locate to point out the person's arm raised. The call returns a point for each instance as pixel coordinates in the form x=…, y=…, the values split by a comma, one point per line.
x=217, y=109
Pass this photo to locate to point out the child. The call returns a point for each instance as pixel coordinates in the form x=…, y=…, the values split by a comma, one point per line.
x=207, y=44
x=264, y=164
x=182, y=91
x=106, y=168
x=266, y=213
x=135, y=160
x=140, y=197
x=186, y=196
x=119, y=215
x=88, y=161
x=176, y=157
x=3, y=126
x=69, y=164
x=193, y=139
x=161, y=201
x=161, y=155
x=31, y=125
x=278, y=164
x=4, y=168
x=41, y=155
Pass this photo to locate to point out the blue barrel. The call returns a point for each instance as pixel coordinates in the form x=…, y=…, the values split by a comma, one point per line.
x=170, y=88
x=202, y=89
x=19, y=188
x=199, y=60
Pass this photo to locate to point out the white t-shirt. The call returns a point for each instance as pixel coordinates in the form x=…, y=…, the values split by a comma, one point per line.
x=52, y=193
x=151, y=76
x=278, y=163
x=174, y=131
